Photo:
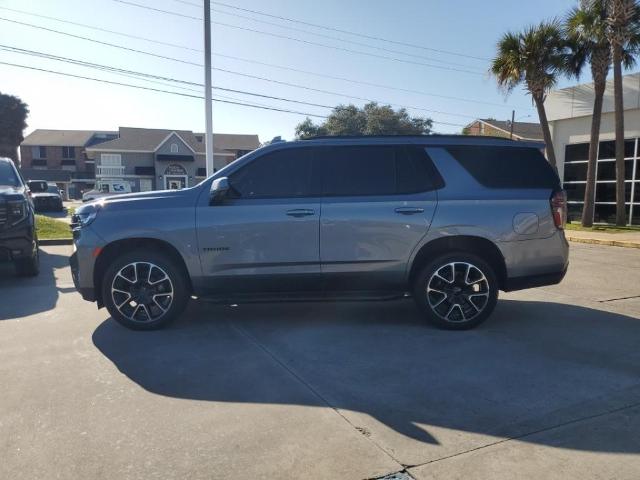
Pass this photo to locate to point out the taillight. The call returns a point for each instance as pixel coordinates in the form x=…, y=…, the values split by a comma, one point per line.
x=559, y=208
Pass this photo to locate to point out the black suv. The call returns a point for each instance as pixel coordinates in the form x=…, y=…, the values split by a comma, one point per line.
x=18, y=239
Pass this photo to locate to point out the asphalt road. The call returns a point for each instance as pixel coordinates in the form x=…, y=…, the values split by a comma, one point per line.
x=548, y=388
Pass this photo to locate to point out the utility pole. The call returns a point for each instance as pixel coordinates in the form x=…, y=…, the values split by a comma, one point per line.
x=513, y=119
x=208, y=107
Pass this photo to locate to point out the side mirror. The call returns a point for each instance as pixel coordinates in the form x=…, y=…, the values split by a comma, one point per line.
x=219, y=188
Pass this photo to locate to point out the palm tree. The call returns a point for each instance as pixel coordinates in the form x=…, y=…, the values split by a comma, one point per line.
x=536, y=57
x=623, y=31
x=586, y=30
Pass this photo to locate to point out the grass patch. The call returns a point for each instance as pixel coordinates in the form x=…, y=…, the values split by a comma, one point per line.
x=50, y=228
x=602, y=228
x=71, y=211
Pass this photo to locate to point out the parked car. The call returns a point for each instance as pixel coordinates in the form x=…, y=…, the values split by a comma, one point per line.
x=106, y=188
x=449, y=220
x=46, y=196
x=18, y=238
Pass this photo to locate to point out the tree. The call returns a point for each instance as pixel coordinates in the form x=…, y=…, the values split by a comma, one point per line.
x=13, y=116
x=623, y=32
x=372, y=119
x=536, y=57
x=585, y=28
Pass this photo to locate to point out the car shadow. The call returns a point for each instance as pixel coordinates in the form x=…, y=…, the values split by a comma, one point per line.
x=532, y=366
x=31, y=295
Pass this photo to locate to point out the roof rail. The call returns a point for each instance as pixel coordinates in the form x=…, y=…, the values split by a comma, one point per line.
x=436, y=135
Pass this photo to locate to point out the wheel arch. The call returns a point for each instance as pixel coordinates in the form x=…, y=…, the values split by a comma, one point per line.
x=482, y=247
x=112, y=250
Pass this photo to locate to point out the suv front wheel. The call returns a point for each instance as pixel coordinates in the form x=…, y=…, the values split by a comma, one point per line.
x=144, y=290
x=456, y=291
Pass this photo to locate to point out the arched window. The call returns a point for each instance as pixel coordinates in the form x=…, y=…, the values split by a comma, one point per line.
x=174, y=148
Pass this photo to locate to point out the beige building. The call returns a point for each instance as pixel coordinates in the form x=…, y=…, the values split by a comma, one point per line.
x=569, y=111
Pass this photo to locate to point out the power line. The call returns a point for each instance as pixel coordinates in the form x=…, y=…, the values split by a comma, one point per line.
x=299, y=40
x=331, y=37
x=243, y=104
x=257, y=62
x=112, y=69
x=338, y=30
x=111, y=82
x=328, y=92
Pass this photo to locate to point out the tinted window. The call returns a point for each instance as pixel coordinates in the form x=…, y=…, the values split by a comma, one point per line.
x=575, y=172
x=577, y=151
x=506, y=167
x=374, y=170
x=8, y=175
x=575, y=191
x=608, y=149
x=281, y=174
x=607, y=170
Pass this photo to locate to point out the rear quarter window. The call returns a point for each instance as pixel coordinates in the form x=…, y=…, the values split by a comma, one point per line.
x=506, y=167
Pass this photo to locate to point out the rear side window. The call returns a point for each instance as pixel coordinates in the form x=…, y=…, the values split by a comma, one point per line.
x=374, y=170
x=506, y=167
x=281, y=174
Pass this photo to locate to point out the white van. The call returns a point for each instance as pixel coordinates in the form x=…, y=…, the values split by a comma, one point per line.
x=106, y=188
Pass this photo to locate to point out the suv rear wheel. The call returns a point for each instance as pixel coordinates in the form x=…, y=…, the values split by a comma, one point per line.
x=456, y=291
x=144, y=290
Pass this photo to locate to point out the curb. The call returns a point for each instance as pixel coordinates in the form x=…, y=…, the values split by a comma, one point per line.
x=610, y=243
x=56, y=241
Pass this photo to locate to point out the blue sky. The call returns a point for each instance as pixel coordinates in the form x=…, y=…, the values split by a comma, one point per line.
x=467, y=27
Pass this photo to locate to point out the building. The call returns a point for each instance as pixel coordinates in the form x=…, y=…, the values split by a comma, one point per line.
x=569, y=111
x=499, y=128
x=59, y=156
x=150, y=159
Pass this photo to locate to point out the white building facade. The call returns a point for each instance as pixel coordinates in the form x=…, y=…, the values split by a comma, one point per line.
x=570, y=111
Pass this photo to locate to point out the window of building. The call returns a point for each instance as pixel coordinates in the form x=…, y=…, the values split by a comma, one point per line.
x=39, y=162
x=68, y=162
x=68, y=152
x=39, y=152
x=110, y=159
x=575, y=176
x=174, y=148
x=199, y=138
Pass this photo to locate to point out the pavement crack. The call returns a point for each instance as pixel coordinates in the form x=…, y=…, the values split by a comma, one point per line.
x=534, y=432
x=313, y=390
x=620, y=298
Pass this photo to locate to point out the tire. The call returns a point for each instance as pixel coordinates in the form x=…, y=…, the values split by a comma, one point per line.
x=29, y=267
x=144, y=290
x=452, y=297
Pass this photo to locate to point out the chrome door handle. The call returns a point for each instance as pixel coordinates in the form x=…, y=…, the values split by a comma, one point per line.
x=409, y=210
x=300, y=212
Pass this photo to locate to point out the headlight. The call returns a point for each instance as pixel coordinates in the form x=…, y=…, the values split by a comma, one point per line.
x=17, y=211
x=85, y=215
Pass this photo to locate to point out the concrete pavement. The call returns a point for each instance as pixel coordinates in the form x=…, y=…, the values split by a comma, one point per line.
x=549, y=387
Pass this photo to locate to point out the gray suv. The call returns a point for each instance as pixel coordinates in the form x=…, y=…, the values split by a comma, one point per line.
x=449, y=220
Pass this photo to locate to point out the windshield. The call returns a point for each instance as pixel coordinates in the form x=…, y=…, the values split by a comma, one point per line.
x=8, y=175
x=52, y=189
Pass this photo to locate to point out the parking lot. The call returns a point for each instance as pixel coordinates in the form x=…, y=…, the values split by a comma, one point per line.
x=549, y=387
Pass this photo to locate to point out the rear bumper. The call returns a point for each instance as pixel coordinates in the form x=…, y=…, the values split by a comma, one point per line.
x=532, y=281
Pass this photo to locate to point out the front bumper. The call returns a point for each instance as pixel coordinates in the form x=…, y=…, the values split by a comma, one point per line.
x=17, y=242
x=82, y=262
x=87, y=293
